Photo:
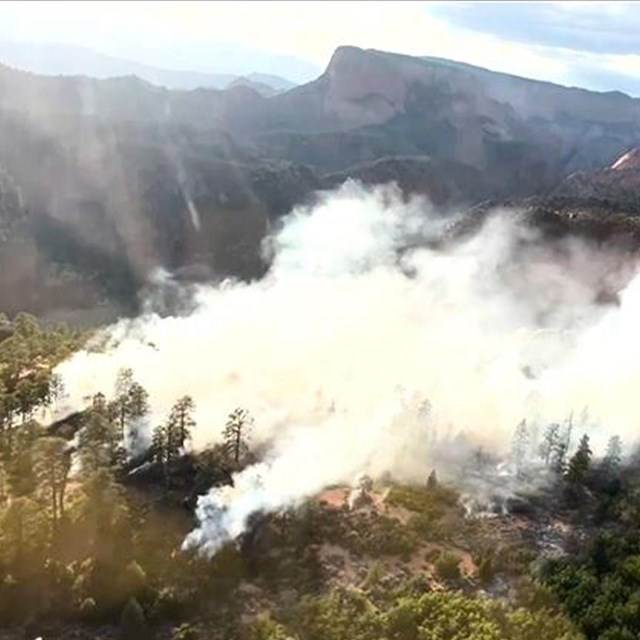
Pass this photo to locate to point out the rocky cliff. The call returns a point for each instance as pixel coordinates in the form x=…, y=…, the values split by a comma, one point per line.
x=523, y=135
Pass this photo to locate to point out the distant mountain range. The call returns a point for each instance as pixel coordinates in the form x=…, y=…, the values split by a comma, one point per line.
x=69, y=60
x=102, y=181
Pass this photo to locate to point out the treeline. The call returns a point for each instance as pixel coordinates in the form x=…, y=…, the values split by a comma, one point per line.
x=551, y=449
x=78, y=543
x=75, y=543
x=350, y=614
x=597, y=581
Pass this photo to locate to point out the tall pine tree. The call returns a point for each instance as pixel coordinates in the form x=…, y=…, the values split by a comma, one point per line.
x=236, y=435
x=579, y=463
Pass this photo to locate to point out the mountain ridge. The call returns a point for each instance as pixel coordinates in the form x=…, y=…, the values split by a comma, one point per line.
x=109, y=172
x=54, y=59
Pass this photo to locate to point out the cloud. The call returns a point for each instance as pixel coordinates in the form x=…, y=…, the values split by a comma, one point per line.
x=571, y=43
x=583, y=44
x=596, y=27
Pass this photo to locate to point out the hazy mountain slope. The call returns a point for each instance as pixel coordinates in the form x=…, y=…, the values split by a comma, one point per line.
x=104, y=204
x=69, y=60
x=445, y=183
x=619, y=181
x=117, y=177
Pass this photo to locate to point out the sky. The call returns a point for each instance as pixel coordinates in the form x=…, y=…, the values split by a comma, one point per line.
x=591, y=44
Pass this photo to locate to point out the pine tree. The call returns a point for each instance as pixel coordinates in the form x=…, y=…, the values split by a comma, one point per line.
x=520, y=446
x=558, y=457
x=613, y=456
x=561, y=447
x=181, y=420
x=159, y=444
x=236, y=435
x=52, y=465
x=130, y=405
x=19, y=468
x=169, y=438
x=99, y=443
x=580, y=462
x=102, y=515
x=138, y=408
x=549, y=443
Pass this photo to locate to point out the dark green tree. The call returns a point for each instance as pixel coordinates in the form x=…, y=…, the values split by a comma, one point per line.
x=20, y=472
x=52, y=465
x=579, y=463
x=559, y=457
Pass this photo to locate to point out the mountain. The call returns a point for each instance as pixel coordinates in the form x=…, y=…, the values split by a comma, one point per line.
x=523, y=135
x=278, y=84
x=104, y=181
x=619, y=182
x=69, y=60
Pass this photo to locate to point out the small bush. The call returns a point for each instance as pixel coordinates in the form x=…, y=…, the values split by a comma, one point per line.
x=185, y=631
x=134, y=581
x=265, y=628
x=87, y=609
x=431, y=502
x=170, y=604
x=448, y=566
x=132, y=622
x=374, y=575
x=486, y=571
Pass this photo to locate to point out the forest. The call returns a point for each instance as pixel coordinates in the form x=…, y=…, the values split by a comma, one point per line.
x=92, y=521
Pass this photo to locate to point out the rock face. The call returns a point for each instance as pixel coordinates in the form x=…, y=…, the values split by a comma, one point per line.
x=523, y=135
x=619, y=182
x=102, y=182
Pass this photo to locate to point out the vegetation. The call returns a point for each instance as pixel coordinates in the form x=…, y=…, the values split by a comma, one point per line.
x=348, y=613
x=83, y=541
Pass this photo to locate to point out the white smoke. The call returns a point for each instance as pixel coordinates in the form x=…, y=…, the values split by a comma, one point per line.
x=336, y=350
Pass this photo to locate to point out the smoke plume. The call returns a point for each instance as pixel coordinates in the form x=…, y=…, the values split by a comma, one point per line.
x=364, y=345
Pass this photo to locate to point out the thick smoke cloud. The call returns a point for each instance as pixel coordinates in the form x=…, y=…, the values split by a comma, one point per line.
x=363, y=346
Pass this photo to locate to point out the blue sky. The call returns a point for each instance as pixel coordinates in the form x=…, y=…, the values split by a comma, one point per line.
x=590, y=44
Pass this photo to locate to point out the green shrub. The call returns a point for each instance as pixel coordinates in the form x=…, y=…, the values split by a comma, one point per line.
x=374, y=575
x=486, y=571
x=448, y=566
x=185, y=631
x=430, y=502
x=265, y=628
x=437, y=615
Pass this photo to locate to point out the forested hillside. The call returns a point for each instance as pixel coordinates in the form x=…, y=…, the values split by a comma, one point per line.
x=93, y=516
